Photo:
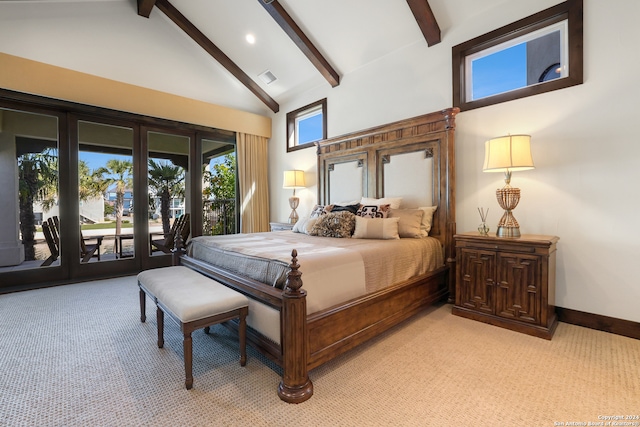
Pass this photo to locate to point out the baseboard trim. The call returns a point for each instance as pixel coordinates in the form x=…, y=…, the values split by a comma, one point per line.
x=613, y=325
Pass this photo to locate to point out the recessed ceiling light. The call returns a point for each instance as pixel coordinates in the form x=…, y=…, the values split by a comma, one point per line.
x=251, y=39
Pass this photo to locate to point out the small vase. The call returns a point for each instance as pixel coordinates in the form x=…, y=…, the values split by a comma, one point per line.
x=483, y=229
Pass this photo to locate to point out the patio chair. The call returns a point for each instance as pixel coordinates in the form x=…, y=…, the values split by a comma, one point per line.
x=53, y=242
x=88, y=251
x=181, y=225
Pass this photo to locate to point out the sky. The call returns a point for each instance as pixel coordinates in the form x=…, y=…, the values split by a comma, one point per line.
x=500, y=72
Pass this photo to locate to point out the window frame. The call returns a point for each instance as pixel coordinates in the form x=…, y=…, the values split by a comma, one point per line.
x=293, y=118
x=570, y=10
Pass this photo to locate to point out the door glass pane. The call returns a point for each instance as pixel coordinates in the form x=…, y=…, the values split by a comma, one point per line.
x=105, y=174
x=219, y=188
x=169, y=187
x=29, y=190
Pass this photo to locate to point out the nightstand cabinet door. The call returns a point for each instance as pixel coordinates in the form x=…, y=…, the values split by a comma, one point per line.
x=518, y=291
x=507, y=282
x=477, y=270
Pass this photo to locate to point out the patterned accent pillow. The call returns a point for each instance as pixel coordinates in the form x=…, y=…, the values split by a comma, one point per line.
x=393, y=201
x=334, y=224
x=320, y=210
x=374, y=211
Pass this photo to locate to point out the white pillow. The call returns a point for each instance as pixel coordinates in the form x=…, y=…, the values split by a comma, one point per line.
x=427, y=218
x=376, y=228
x=393, y=201
x=304, y=225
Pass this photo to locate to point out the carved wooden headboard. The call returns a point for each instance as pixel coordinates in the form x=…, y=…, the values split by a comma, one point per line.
x=413, y=158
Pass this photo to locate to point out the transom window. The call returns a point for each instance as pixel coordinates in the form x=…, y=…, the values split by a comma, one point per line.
x=527, y=60
x=307, y=125
x=537, y=54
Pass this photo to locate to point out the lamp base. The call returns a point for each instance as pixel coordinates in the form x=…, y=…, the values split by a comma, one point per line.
x=508, y=232
x=508, y=199
x=293, y=204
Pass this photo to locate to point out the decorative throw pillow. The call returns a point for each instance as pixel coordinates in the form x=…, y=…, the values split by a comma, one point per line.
x=410, y=222
x=373, y=211
x=427, y=218
x=320, y=210
x=349, y=208
x=334, y=224
x=393, y=201
x=376, y=228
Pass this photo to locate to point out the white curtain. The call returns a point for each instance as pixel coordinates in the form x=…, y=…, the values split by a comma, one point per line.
x=253, y=183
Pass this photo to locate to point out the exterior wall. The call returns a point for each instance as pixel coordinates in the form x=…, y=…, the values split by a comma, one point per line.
x=583, y=142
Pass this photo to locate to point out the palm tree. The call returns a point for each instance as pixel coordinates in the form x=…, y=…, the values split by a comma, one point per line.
x=165, y=181
x=38, y=182
x=92, y=184
x=120, y=172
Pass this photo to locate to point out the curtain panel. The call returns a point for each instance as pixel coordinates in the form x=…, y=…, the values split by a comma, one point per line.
x=253, y=183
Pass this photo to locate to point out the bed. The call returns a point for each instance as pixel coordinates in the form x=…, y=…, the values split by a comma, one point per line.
x=301, y=327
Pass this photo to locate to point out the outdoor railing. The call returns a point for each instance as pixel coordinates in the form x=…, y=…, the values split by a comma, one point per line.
x=219, y=217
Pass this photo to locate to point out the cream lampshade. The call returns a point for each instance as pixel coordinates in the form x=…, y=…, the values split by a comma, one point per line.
x=293, y=179
x=507, y=154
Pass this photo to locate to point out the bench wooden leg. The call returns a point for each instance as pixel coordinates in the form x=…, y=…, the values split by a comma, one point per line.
x=143, y=306
x=188, y=357
x=242, y=335
x=160, y=317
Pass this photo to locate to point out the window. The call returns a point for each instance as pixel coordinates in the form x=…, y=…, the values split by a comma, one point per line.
x=307, y=125
x=537, y=54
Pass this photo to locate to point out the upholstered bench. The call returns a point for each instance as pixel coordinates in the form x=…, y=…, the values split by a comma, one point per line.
x=194, y=301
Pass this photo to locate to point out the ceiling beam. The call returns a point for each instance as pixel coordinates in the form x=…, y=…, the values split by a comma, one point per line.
x=181, y=21
x=286, y=22
x=145, y=6
x=426, y=20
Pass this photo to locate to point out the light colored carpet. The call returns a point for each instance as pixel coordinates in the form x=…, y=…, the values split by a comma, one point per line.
x=77, y=355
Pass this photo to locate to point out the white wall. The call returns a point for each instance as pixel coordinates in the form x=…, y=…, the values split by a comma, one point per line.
x=585, y=147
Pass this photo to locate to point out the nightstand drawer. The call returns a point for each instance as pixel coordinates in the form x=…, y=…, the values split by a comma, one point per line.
x=281, y=226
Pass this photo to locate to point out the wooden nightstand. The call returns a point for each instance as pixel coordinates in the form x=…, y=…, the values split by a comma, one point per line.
x=507, y=282
x=280, y=226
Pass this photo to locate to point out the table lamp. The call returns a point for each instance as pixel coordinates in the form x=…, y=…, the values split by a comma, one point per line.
x=293, y=179
x=507, y=154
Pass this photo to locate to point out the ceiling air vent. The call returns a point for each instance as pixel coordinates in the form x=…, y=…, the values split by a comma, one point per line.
x=267, y=76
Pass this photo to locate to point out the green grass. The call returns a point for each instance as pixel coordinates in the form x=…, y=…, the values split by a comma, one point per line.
x=102, y=226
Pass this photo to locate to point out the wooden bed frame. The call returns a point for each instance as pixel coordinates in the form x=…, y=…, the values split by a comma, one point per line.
x=308, y=341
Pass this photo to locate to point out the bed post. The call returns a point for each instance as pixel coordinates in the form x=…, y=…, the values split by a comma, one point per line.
x=295, y=386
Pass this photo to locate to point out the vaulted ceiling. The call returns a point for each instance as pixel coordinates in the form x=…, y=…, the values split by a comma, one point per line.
x=290, y=37
x=198, y=48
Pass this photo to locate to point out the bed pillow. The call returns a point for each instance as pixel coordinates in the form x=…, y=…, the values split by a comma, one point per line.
x=410, y=222
x=349, y=208
x=393, y=201
x=376, y=228
x=374, y=211
x=427, y=218
x=304, y=225
x=334, y=224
